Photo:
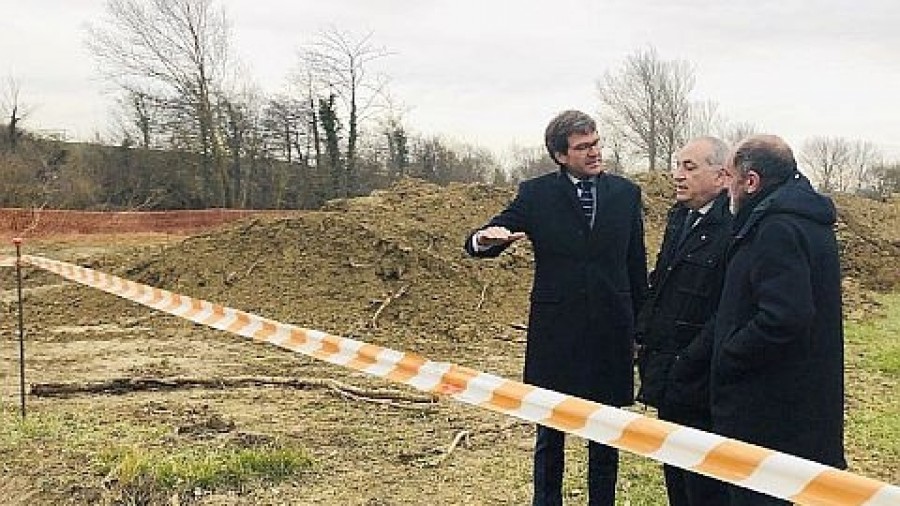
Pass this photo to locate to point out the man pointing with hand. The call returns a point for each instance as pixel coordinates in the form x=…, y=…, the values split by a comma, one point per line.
x=590, y=275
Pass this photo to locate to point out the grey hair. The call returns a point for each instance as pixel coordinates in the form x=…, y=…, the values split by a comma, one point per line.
x=566, y=123
x=718, y=155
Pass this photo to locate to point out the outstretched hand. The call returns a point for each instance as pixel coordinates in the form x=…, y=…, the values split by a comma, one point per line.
x=495, y=236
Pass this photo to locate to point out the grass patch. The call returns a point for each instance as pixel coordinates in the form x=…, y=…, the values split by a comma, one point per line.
x=876, y=339
x=139, y=463
x=873, y=393
x=204, y=468
x=68, y=433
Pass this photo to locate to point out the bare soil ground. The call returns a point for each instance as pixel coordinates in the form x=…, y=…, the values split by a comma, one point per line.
x=331, y=270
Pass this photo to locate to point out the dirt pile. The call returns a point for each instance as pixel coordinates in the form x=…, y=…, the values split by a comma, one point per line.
x=388, y=268
x=392, y=263
x=869, y=236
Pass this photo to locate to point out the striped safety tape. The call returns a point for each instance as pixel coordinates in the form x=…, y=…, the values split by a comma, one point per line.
x=7, y=261
x=754, y=467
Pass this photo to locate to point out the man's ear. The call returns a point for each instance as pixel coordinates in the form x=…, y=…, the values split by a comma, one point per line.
x=753, y=181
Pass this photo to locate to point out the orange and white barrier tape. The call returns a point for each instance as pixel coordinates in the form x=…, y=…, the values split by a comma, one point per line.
x=7, y=261
x=746, y=465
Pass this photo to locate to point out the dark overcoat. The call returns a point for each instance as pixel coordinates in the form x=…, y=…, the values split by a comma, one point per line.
x=684, y=291
x=588, y=284
x=777, y=376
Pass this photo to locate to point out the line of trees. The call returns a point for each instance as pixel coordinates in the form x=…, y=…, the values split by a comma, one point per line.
x=328, y=133
x=647, y=112
x=193, y=131
x=846, y=165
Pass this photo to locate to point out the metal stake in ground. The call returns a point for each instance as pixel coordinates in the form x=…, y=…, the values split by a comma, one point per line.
x=18, y=242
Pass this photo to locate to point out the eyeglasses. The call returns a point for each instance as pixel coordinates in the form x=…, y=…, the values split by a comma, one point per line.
x=586, y=146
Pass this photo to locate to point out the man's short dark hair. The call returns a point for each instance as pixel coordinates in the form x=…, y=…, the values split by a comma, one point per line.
x=767, y=155
x=566, y=123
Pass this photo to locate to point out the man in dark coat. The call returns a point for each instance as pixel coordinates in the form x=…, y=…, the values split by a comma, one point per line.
x=684, y=290
x=777, y=377
x=586, y=230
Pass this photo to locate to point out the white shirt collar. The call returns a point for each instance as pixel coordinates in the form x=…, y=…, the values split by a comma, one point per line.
x=705, y=209
x=575, y=180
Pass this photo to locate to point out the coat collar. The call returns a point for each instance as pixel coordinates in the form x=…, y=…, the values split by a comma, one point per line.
x=718, y=213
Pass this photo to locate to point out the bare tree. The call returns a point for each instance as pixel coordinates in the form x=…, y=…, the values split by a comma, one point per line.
x=240, y=121
x=704, y=119
x=648, y=97
x=285, y=121
x=530, y=162
x=396, y=137
x=341, y=62
x=734, y=132
x=828, y=159
x=14, y=111
x=138, y=119
x=398, y=147
x=616, y=154
x=864, y=156
x=886, y=179
x=175, y=49
x=675, y=108
x=306, y=87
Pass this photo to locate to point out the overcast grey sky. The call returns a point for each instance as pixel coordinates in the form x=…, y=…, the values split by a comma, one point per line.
x=492, y=72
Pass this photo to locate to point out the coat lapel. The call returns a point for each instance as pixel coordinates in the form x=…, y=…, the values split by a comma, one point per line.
x=697, y=236
x=603, y=205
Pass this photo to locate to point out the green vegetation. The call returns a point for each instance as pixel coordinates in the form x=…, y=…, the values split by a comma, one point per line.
x=877, y=339
x=873, y=393
x=143, y=460
x=205, y=468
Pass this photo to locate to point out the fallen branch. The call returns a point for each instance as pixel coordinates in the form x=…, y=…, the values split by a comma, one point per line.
x=382, y=394
x=463, y=434
x=376, y=400
x=119, y=386
x=483, y=293
x=232, y=276
x=384, y=304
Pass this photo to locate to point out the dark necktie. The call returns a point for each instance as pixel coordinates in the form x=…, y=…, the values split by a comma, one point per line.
x=688, y=224
x=586, y=199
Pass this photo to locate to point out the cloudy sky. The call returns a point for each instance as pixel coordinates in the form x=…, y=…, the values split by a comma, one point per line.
x=492, y=72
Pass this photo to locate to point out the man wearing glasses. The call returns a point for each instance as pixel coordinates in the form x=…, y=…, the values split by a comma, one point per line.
x=586, y=231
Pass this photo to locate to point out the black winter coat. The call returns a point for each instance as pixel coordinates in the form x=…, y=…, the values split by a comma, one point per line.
x=777, y=376
x=588, y=284
x=684, y=291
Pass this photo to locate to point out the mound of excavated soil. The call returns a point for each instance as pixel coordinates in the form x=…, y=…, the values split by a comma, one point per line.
x=387, y=268
x=392, y=263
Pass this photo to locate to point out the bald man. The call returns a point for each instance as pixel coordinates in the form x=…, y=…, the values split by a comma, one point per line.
x=777, y=376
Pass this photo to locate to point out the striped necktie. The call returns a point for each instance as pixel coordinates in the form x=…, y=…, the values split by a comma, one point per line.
x=586, y=199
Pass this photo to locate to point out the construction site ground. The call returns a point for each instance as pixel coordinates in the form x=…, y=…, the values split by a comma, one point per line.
x=387, y=269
